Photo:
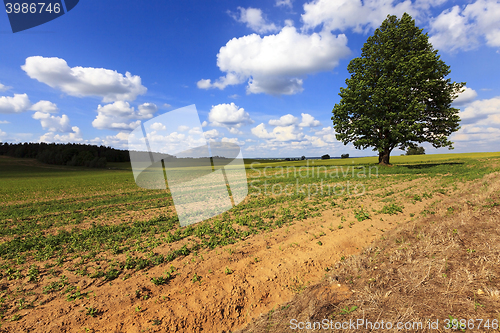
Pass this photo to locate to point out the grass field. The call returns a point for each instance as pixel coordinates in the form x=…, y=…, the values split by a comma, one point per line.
x=65, y=225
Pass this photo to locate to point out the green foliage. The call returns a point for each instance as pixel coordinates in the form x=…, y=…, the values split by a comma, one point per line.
x=344, y=156
x=417, y=150
x=196, y=278
x=391, y=209
x=397, y=94
x=361, y=214
x=169, y=275
x=325, y=157
x=91, y=311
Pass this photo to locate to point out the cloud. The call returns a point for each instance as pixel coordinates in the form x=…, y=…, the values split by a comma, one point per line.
x=158, y=127
x=254, y=20
x=17, y=104
x=3, y=134
x=4, y=122
x=119, y=140
x=308, y=121
x=327, y=134
x=284, y=120
x=120, y=115
x=463, y=28
x=183, y=128
x=204, y=123
x=233, y=140
x=235, y=131
x=74, y=136
x=275, y=64
x=465, y=97
x=53, y=123
x=482, y=112
x=44, y=106
x=212, y=134
x=234, y=96
x=360, y=16
x=228, y=115
x=261, y=132
x=84, y=81
x=279, y=133
x=284, y=3
x=4, y=87
x=452, y=31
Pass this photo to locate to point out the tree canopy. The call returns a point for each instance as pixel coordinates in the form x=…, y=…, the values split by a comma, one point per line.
x=397, y=95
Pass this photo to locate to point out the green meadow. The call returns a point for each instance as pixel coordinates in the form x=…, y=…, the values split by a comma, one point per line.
x=61, y=223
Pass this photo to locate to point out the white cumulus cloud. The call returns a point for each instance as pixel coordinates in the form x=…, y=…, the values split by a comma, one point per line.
x=466, y=96
x=279, y=133
x=45, y=106
x=212, y=134
x=228, y=115
x=352, y=14
x=482, y=112
x=120, y=115
x=285, y=120
x=53, y=123
x=275, y=64
x=74, y=136
x=16, y=104
x=84, y=81
x=254, y=19
x=464, y=28
x=308, y=121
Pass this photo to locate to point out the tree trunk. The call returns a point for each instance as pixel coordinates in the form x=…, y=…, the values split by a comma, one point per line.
x=383, y=157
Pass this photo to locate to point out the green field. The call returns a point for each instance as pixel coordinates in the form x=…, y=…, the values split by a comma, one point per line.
x=61, y=223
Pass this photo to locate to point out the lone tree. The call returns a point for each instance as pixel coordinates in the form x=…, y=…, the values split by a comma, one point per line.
x=397, y=95
x=415, y=151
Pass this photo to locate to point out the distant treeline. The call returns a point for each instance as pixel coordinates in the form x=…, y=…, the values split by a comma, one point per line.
x=66, y=154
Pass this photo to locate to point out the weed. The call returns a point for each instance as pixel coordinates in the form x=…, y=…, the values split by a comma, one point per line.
x=361, y=214
x=169, y=275
x=196, y=278
x=346, y=310
x=92, y=312
x=391, y=209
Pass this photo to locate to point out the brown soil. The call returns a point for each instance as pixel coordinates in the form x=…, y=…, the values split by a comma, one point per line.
x=266, y=272
x=430, y=270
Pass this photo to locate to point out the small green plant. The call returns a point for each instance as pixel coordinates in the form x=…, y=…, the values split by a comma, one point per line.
x=169, y=275
x=111, y=274
x=33, y=273
x=320, y=243
x=391, y=209
x=228, y=271
x=361, y=215
x=15, y=317
x=476, y=303
x=138, y=308
x=196, y=278
x=346, y=310
x=76, y=295
x=454, y=324
x=92, y=312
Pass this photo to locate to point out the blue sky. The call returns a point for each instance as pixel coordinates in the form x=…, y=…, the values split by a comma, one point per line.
x=262, y=74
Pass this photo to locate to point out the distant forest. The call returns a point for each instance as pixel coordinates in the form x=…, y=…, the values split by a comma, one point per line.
x=66, y=154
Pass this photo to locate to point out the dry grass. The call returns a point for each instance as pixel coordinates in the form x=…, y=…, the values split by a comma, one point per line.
x=429, y=269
